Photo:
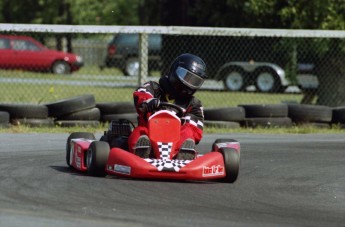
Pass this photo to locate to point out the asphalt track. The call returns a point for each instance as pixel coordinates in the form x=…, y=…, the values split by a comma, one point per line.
x=285, y=180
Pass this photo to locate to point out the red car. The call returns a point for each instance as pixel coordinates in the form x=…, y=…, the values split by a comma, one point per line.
x=26, y=53
x=109, y=156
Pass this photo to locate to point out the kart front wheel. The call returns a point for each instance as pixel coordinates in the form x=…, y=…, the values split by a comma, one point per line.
x=222, y=141
x=97, y=157
x=231, y=164
x=76, y=135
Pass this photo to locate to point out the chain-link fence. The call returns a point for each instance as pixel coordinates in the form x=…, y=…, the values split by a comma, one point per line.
x=245, y=66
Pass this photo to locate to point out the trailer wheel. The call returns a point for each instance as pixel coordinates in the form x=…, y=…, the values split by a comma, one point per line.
x=234, y=79
x=268, y=81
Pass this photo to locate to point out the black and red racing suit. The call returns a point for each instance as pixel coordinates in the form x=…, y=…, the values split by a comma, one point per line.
x=192, y=121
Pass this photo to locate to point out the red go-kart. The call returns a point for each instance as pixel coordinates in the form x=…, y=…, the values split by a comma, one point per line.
x=110, y=155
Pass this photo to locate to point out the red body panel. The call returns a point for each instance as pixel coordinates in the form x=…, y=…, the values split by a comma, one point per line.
x=206, y=167
x=164, y=128
x=78, y=153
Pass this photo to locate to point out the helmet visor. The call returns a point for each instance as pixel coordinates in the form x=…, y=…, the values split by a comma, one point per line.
x=188, y=78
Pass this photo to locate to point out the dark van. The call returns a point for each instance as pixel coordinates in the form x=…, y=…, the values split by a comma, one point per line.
x=123, y=52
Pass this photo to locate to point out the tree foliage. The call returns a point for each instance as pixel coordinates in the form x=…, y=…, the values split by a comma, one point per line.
x=288, y=14
x=298, y=14
x=105, y=12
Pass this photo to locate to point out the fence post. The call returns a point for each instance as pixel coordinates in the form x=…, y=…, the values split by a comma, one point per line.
x=143, y=58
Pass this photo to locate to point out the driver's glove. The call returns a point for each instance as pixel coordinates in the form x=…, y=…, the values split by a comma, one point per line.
x=150, y=105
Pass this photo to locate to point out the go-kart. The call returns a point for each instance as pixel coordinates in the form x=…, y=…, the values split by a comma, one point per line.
x=110, y=155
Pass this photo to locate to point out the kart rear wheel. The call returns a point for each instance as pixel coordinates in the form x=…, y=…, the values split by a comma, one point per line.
x=97, y=157
x=75, y=135
x=231, y=164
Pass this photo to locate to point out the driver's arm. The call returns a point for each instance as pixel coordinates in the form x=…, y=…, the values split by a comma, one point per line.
x=141, y=94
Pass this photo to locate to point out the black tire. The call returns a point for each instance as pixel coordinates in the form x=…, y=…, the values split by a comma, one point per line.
x=133, y=117
x=92, y=114
x=116, y=107
x=61, y=68
x=300, y=113
x=266, y=122
x=76, y=123
x=264, y=110
x=234, y=79
x=231, y=164
x=67, y=106
x=4, y=117
x=222, y=140
x=222, y=124
x=267, y=80
x=4, y=125
x=97, y=157
x=31, y=122
x=25, y=110
x=338, y=115
x=131, y=67
x=76, y=135
x=225, y=114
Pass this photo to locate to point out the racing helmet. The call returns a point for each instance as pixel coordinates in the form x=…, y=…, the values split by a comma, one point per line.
x=186, y=75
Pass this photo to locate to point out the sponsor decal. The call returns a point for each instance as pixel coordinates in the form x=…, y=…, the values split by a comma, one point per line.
x=78, y=162
x=212, y=170
x=79, y=149
x=122, y=169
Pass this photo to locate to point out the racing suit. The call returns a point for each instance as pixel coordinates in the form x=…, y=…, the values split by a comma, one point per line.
x=192, y=121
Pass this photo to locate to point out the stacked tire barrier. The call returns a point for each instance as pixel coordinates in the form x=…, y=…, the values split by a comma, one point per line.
x=314, y=115
x=84, y=111
x=80, y=111
x=227, y=117
x=277, y=115
x=338, y=116
x=117, y=110
x=4, y=119
x=76, y=111
x=27, y=114
x=273, y=115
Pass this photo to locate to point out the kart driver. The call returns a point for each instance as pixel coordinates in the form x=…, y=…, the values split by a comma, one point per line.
x=186, y=75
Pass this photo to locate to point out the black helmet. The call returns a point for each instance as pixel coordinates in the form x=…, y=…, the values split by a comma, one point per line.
x=186, y=75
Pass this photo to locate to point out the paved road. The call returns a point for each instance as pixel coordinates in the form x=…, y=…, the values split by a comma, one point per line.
x=285, y=180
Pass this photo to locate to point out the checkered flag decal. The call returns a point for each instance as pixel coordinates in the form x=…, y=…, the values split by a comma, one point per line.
x=165, y=163
x=164, y=150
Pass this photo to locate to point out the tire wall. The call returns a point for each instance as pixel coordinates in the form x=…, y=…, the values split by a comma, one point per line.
x=84, y=111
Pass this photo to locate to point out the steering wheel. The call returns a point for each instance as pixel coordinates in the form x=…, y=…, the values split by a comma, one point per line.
x=170, y=106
